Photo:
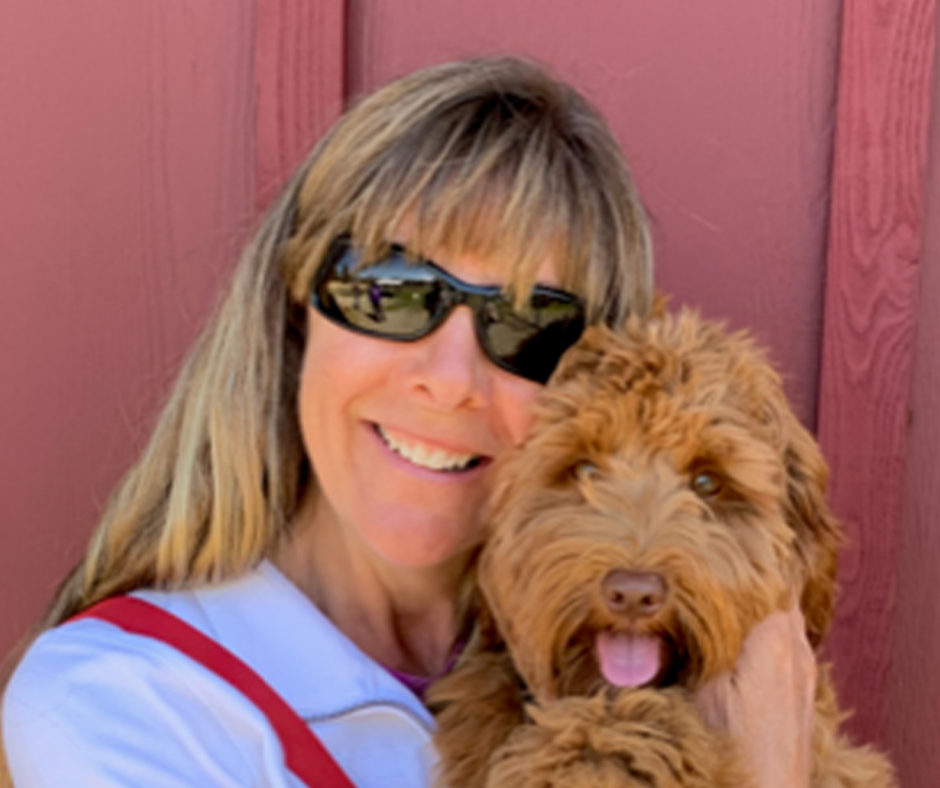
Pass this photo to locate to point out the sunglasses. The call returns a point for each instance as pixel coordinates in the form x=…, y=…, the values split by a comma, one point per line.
x=403, y=300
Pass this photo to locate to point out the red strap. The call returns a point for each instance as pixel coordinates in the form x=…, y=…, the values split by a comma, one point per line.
x=304, y=754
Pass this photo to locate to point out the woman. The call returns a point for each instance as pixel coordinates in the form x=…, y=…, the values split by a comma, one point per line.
x=310, y=499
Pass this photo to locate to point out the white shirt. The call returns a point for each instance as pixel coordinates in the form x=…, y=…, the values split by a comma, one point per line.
x=91, y=705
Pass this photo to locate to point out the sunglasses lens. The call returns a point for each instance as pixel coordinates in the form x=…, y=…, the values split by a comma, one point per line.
x=396, y=299
x=532, y=343
x=391, y=298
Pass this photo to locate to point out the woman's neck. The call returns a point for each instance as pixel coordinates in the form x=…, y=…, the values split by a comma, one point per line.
x=402, y=617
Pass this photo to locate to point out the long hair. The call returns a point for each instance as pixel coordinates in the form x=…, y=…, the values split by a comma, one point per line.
x=489, y=156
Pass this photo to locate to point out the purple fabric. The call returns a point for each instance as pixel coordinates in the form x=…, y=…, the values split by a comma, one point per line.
x=419, y=684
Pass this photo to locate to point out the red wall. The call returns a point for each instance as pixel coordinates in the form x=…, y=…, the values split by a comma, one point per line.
x=126, y=191
x=871, y=318
x=913, y=717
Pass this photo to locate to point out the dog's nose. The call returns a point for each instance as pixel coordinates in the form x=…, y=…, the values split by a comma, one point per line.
x=634, y=594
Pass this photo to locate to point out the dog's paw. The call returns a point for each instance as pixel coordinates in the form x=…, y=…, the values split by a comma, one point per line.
x=639, y=739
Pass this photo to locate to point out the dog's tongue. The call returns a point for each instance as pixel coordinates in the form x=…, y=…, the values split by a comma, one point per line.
x=628, y=660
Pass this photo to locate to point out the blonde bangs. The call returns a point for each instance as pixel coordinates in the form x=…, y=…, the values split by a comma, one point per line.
x=489, y=206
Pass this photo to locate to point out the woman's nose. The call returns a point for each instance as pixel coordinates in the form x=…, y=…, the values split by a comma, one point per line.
x=449, y=368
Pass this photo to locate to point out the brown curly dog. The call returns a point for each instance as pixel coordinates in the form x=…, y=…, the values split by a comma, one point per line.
x=666, y=501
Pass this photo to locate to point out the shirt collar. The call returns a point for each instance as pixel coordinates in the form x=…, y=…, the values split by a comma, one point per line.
x=266, y=621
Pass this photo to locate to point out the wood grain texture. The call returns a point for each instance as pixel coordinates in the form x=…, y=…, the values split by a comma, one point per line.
x=914, y=686
x=870, y=314
x=299, y=80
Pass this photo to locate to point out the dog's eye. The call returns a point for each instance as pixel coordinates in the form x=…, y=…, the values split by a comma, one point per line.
x=706, y=484
x=585, y=471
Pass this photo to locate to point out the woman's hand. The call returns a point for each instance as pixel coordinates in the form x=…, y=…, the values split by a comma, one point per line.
x=766, y=702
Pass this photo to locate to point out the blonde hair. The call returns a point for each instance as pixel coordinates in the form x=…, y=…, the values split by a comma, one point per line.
x=488, y=156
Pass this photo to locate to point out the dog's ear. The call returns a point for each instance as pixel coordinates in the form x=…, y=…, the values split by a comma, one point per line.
x=618, y=359
x=818, y=532
x=585, y=356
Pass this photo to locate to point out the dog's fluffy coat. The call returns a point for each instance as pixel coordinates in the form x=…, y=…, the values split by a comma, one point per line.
x=664, y=451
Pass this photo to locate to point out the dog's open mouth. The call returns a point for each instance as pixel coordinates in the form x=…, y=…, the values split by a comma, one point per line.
x=628, y=659
x=620, y=655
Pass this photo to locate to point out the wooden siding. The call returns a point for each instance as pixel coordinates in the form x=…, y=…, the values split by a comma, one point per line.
x=913, y=717
x=127, y=192
x=875, y=248
x=300, y=83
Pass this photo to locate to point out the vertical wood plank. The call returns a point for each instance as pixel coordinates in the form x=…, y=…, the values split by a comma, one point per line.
x=299, y=80
x=914, y=689
x=876, y=228
x=126, y=187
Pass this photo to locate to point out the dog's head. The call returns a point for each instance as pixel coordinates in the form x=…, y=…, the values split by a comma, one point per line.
x=665, y=502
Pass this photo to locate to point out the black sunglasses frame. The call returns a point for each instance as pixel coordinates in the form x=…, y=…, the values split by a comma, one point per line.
x=455, y=292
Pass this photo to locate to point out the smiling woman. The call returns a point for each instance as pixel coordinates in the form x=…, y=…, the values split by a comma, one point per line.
x=296, y=544
x=311, y=497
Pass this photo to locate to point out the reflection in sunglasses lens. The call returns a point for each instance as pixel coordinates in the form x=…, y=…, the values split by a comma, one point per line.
x=398, y=299
x=391, y=298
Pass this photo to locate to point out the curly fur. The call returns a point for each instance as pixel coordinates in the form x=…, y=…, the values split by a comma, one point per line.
x=667, y=449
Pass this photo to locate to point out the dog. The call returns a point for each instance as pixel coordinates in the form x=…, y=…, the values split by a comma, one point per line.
x=665, y=502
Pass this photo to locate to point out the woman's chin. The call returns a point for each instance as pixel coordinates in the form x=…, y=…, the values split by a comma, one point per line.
x=416, y=545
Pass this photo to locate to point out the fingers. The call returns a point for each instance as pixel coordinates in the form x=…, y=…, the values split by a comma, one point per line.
x=777, y=646
x=767, y=701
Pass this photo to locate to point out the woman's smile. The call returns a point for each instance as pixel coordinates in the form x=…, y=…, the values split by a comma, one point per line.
x=428, y=455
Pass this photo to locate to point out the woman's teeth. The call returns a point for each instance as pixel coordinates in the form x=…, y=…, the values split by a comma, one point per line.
x=426, y=457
